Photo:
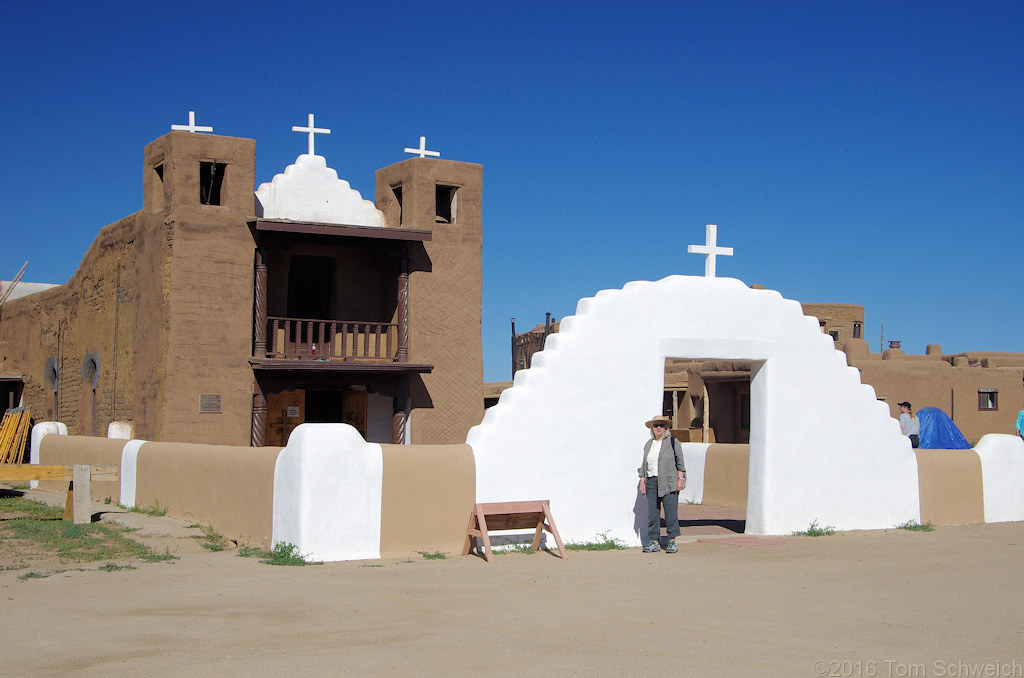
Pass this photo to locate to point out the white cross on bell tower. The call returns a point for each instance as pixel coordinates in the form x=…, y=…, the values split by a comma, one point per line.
x=422, y=150
x=711, y=249
x=191, y=126
x=311, y=130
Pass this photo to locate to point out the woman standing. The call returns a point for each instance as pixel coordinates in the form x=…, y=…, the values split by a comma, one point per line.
x=910, y=425
x=662, y=475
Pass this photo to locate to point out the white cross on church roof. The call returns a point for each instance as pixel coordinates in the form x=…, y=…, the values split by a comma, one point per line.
x=191, y=126
x=711, y=249
x=422, y=150
x=311, y=130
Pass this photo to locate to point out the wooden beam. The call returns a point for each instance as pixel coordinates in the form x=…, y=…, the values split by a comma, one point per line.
x=16, y=472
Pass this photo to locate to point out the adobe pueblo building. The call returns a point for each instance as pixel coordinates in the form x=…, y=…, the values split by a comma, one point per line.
x=217, y=316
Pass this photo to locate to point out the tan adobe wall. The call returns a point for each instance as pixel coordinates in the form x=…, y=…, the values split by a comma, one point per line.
x=951, y=487
x=208, y=287
x=228, y=488
x=97, y=310
x=726, y=468
x=445, y=285
x=837, y=317
x=69, y=450
x=427, y=496
x=950, y=483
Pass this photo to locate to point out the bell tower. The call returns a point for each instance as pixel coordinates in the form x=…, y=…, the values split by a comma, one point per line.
x=445, y=282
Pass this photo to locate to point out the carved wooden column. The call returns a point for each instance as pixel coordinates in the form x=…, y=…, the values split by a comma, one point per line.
x=259, y=415
x=259, y=315
x=403, y=311
x=398, y=422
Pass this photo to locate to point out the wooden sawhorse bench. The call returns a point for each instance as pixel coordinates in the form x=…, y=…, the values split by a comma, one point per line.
x=511, y=515
x=77, y=507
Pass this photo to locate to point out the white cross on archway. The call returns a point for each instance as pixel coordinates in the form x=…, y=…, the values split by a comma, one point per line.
x=191, y=126
x=311, y=130
x=711, y=249
x=422, y=150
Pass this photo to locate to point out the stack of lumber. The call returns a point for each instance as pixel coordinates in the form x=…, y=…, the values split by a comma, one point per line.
x=14, y=434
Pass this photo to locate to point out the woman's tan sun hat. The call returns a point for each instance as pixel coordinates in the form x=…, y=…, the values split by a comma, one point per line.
x=660, y=419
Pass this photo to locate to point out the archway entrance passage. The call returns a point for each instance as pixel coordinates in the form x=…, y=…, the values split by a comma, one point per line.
x=571, y=427
x=708, y=401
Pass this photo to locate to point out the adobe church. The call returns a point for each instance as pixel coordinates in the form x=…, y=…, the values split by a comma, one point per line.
x=220, y=316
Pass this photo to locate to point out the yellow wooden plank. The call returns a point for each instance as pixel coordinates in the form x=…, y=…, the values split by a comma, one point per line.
x=14, y=472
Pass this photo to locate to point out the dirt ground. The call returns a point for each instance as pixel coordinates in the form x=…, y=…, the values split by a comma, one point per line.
x=871, y=603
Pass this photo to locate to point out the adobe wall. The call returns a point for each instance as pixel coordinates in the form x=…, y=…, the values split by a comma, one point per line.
x=338, y=497
x=115, y=289
x=444, y=294
x=208, y=286
x=954, y=390
x=228, y=488
x=952, y=491
x=70, y=450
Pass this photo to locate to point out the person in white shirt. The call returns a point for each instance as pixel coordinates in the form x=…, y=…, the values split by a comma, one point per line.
x=662, y=475
x=910, y=426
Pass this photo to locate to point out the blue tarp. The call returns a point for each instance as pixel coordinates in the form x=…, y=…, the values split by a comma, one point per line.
x=938, y=432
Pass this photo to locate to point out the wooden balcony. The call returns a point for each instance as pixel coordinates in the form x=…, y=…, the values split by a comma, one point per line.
x=335, y=340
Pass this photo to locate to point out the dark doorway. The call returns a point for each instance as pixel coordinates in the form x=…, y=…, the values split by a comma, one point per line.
x=310, y=282
x=10, y=392
x=324, y=407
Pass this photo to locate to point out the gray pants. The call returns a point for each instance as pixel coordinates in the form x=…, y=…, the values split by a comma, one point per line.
x=654, y=505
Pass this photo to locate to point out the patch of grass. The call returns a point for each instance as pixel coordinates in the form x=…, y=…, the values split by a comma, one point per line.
x=816, y=530
x=210, y=540
x=107, y=500
x=21, y=487
x=77, y=543
x=602, y=543
x=513, y=548
x=436, y=555
x=152, y=557
x=114, y=567
x=286, y=554
x=281, y=554
x=19, y=507
x=32, y=575
x=372, y=565
x=153, y=509
x=252, y=552
x=915, y=526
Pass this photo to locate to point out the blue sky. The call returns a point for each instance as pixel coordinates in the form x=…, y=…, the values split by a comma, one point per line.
x=856, y=152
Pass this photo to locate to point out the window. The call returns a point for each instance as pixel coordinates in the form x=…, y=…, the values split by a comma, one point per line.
x=397, y=190
x=445, y=204
x=834, y=334
x=211, y=178
x=988, y=399
x=857, y=328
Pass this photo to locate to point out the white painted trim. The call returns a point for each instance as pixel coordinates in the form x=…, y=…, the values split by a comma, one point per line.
x=694, y=456
x=1002, y=476
x=130, y=471
x=43, y=428
x=328, y=484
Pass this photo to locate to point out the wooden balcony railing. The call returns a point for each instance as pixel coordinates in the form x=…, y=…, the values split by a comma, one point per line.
x=304, y=339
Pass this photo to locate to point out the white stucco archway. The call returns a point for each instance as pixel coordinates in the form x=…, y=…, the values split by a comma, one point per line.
x=571, y=427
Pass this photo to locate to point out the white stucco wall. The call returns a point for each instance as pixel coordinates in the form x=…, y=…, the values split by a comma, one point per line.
x=328, y=484
x=571, y=427
x=1002, y=476
x=42, y=428
x=311, y=191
